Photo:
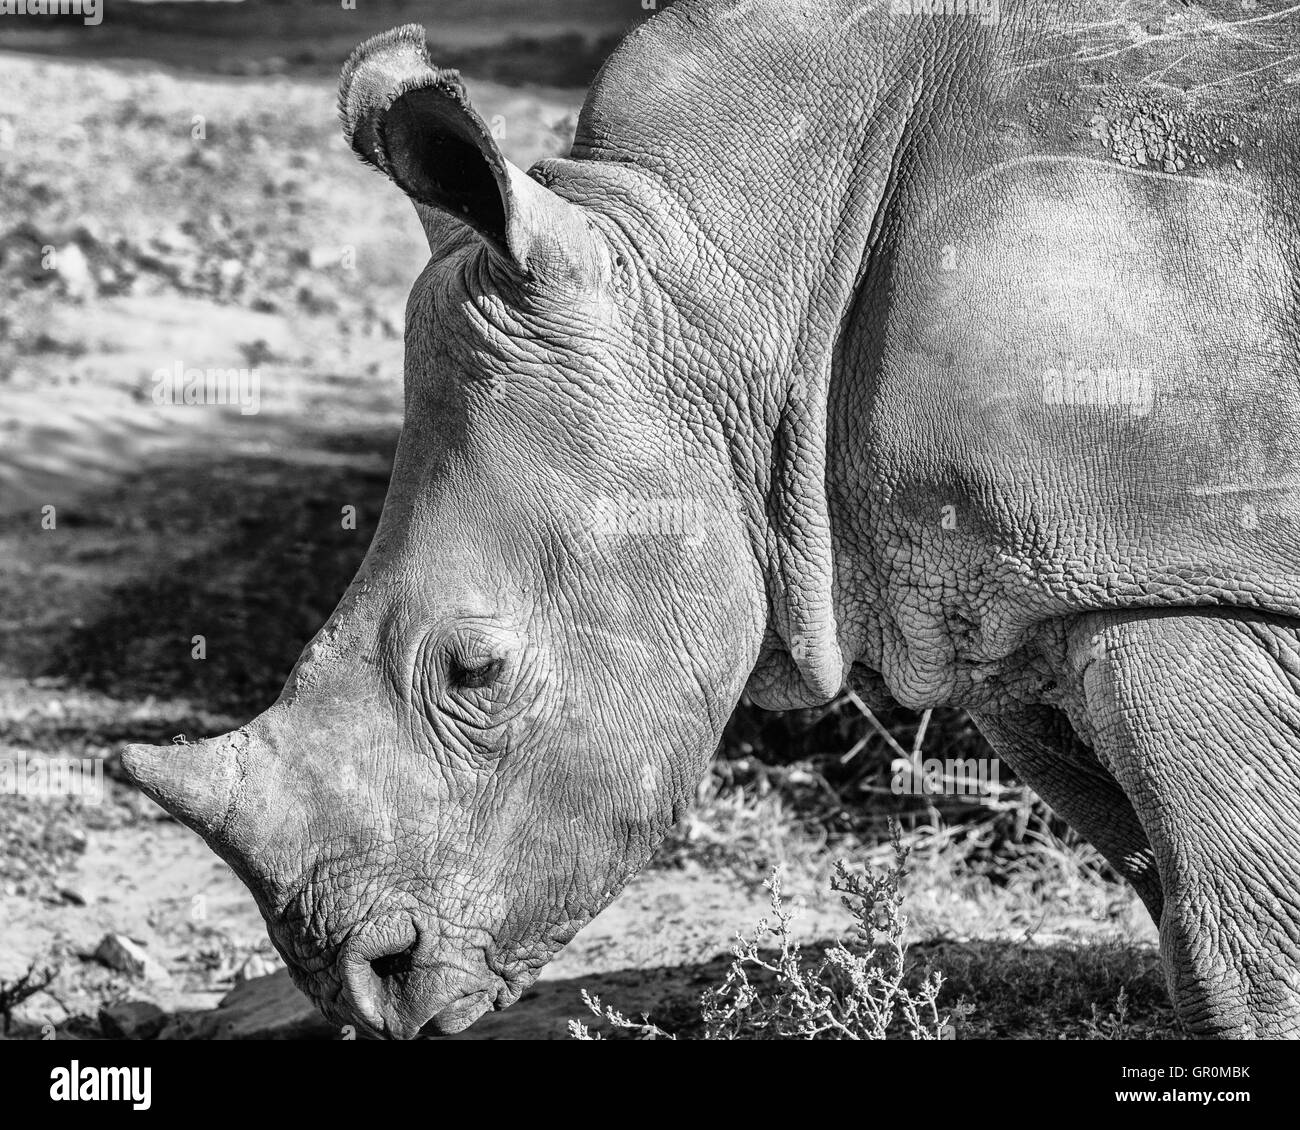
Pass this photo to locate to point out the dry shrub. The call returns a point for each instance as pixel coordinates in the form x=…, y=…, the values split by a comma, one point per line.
x=860, y=988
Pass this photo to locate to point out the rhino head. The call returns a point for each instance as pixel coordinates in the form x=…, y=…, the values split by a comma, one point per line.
x=561, y=606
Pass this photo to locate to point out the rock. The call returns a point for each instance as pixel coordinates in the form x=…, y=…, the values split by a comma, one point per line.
x=132, y=1020
x=72, y=897
x=88, y=233
x=119, y=952
x=255, y=966
x=74, y=272
x=172, y=238
x=263, y=1008
x=230, y=271
x=321, y=257
x=40, y=1011
x=204, y=157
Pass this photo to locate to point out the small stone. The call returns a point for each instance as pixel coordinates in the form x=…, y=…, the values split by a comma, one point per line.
x=230, y=271
x=74, y=272
x=131, y=1020
x=119, y=952
x=318, y=258
x=72, y=897
x=255, y=965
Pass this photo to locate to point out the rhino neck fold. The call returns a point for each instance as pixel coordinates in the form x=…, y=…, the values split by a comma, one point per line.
x=749, y=178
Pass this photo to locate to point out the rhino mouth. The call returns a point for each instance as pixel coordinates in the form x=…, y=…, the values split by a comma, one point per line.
x=396, y=986
x=459, y=1016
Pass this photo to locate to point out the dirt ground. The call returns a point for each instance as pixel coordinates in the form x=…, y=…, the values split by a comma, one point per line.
x=219, y=221
x=156, y=882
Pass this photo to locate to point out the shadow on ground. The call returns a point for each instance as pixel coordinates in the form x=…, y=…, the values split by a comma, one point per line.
x=1109, y=992
x=248, y=551
x=515, y=42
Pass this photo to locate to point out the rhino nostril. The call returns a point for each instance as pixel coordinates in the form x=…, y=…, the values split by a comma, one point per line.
x=378, y=970
x=392, y=985
x=393, y=966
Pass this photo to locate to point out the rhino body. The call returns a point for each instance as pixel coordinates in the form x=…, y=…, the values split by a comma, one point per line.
x=948, y=354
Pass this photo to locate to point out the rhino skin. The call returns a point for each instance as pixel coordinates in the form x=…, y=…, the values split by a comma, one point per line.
x=952, y=357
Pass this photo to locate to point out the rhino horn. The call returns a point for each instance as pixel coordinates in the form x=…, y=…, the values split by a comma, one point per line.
x=194, y=781
x=413, y=122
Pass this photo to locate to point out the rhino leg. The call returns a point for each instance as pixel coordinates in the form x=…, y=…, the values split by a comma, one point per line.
x=1197, y=716
x=1042, y=748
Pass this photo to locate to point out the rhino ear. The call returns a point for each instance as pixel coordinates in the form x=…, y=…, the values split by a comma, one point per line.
x=413, y=122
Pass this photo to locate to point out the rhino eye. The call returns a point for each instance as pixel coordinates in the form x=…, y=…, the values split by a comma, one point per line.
x=473, y=674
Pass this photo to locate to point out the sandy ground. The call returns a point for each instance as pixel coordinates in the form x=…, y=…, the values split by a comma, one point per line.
x=159, y=884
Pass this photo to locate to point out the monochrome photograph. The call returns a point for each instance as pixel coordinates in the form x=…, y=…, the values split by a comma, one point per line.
x=628, y=520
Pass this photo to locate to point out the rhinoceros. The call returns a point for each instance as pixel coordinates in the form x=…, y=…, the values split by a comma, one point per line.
x=943, y=350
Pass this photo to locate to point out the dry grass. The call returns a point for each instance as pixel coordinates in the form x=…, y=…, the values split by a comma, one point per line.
x=1026, y=921
x=878, y=982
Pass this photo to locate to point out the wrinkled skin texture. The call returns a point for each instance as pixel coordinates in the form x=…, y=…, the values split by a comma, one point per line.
x=790, y=312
